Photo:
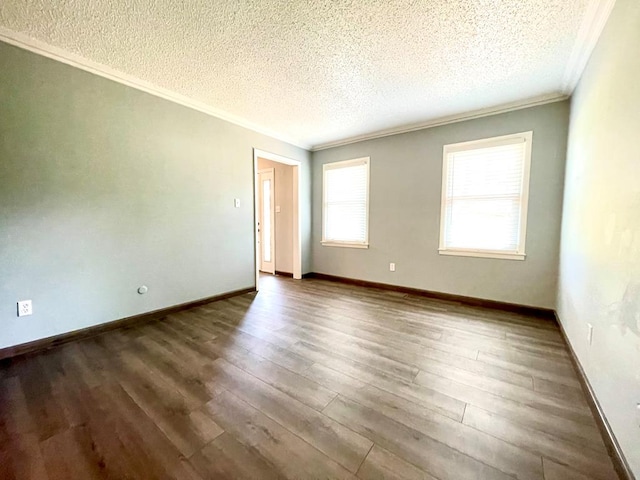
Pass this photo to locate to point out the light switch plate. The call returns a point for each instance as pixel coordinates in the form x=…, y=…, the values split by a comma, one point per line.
x=236, y=202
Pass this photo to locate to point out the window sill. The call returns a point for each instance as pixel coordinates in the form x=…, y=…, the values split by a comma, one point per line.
x=483, y=254
x=344, y=244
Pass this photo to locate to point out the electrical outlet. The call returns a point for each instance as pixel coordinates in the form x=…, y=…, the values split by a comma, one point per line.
x=392, y=267
x=589, y=333
x=24, y=308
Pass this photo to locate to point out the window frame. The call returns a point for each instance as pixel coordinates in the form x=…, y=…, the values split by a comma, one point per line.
x=520, y=253
x=337, y=165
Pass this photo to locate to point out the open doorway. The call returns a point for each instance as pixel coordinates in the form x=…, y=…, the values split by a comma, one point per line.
x=277, y=215
x=266, y=234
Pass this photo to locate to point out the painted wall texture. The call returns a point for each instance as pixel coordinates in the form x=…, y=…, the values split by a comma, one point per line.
x=104, y=188
x=404, y=209
x=600, y=247
x=283, y=182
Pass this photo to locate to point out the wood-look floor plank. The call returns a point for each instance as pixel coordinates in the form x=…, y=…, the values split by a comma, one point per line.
x=225, y=458
x=20, y=457
x=374, y=333
x=270, y=349
x=332, y=379
x=545, y=421
x=184, y=350
x=66, y=366
x=566, y=378
x=69, y=455
x=553, y=345
x=555, y=471
x=490, y=450
x=99, y=359
x=440, y=402
x=509, y=345
x=14, y=415
x=573, y=395
x=282, y=356
x=99, y=444
x=577, y=411
x=381, y=464
x=362, y=313
x=588, y=461
x=168, y=409
x=140, y=430
x=257, y=330
x=296, y=386
x=334, y=440
x=551, y=365
x=306, y=379
x=421, y=450
x=289, y=455
x=460, y=320
x=351, y=351
x=164, y=364
x=485, y=330
x=409, y=354
x=46, y=413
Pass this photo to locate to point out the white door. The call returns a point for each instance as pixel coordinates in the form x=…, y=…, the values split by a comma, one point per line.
x=266, y=224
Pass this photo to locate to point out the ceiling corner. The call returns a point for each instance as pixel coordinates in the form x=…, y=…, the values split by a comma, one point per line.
x=41, y=48
x=590, y=30
x=440, y=121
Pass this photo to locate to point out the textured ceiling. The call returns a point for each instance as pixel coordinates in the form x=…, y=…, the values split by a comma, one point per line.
x=321, y=70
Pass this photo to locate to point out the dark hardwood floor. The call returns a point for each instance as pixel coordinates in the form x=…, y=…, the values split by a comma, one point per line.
x=307, y=379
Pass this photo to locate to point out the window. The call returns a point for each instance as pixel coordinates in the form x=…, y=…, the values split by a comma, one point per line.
x=485, y=188
x=345, y=203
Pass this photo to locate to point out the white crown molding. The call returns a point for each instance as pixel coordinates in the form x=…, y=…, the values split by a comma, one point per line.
x=437, y=122
x=597, y=17
x=41, y=48
x=591, y=28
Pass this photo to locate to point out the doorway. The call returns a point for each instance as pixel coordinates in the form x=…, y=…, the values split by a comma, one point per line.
x=266, y=220
x=277, y=215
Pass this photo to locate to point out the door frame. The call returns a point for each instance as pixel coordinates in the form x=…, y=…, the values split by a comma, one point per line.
x=296, y=240
x=272, y=218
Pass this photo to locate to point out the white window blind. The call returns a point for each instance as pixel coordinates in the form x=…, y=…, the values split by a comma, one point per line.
x=485, y=189
x=345, y=203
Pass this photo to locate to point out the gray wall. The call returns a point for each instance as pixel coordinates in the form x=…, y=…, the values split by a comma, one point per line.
x=600, y=248
x=283, y=183
x=405, y=190
x=104, y=188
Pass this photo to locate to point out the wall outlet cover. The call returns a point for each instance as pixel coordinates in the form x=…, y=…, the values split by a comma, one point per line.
x=25, y=308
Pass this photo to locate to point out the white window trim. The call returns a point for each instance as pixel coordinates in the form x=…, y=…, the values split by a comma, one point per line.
x=519, y=254
x=341, y=164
